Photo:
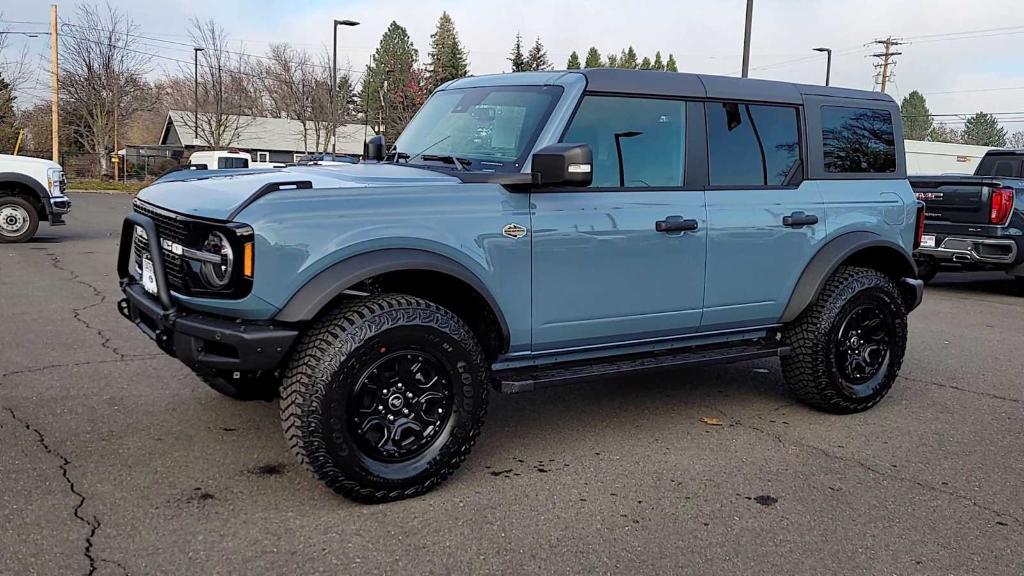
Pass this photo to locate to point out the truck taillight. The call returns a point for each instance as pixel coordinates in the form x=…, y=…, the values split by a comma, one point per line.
x=920, y=226
x=1002, y=205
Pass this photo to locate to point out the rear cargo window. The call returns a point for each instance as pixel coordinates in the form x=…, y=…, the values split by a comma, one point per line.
x=858, y=140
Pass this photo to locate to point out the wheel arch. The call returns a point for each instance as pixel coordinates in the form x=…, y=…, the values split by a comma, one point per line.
x=411, y=271
x=864, y=249
x=26, y=186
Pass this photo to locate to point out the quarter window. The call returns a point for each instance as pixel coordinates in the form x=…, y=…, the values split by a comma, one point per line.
x=637, y=142
x=752, y=145
x=858, y=140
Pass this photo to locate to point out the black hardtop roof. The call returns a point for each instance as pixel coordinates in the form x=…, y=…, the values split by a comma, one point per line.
x=681, y=84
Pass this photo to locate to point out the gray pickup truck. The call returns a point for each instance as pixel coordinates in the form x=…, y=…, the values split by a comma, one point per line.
x=536, y=229
x=974, y=222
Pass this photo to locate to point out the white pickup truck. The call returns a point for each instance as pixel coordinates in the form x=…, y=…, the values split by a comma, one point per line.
x=31, y=190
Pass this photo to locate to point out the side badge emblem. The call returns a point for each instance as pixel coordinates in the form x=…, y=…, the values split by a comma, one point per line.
x=513, y=231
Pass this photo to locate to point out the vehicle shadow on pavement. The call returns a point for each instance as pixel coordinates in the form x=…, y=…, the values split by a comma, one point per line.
x=980, y=283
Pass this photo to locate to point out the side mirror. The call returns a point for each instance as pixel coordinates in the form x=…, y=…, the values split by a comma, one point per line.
x=564, y=165
x=375, y=148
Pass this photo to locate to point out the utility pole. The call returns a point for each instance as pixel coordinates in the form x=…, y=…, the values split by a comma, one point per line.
x=746, y=38
x=886, y=60
x=55, y=96
x=334, y=85
x=195, y=98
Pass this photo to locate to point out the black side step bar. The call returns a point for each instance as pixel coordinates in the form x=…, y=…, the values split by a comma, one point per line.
x=531, y=378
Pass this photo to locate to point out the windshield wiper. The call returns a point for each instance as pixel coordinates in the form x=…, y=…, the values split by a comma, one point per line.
x=459, y=163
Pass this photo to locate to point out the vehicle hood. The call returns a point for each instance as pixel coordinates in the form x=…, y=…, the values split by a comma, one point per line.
x=8, y=162
x=216, y=194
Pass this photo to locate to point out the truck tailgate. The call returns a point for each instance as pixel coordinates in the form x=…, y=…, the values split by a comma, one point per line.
x=956, y=199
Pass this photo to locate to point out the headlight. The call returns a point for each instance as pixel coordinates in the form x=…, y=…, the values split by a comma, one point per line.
x=53, y=177
x=218, y=275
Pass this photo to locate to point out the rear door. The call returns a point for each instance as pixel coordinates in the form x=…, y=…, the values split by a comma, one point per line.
x=603, y=272
x=765, y=222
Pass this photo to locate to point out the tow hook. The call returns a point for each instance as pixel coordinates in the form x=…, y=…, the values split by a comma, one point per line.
x=123, y=309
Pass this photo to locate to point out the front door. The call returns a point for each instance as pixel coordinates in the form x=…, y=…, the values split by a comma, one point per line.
x=765, y=222
x=604, y=270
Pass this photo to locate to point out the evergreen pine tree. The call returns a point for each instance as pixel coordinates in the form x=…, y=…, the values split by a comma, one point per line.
x=984, y=130
x=537, y=58
x=8, y=128
x=670, y=65
x=448, y=59
x=628, y=59
x=659, y=64
x=392, y=83
x=593, y=59
x=646, y=64
x=613, y=60
x=574, y=61
x=517, y=58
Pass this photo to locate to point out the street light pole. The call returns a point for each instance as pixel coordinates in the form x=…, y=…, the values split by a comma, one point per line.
x=746, y=38
x=195, y=98
x=334, y=85
x=828, y=65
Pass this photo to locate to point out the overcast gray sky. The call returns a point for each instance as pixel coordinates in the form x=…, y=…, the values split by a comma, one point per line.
x=941, y=61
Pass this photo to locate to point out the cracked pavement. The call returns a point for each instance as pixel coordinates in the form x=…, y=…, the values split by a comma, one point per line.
x=116, y=460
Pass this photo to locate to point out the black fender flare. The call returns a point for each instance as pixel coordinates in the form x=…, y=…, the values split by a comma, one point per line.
x=41, y=194
x=832, y=255
x=331, y=282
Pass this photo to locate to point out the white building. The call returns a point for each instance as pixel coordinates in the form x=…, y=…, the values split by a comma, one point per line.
x=942, y=158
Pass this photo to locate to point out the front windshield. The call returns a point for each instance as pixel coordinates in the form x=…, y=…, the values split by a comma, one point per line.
x=491, y=127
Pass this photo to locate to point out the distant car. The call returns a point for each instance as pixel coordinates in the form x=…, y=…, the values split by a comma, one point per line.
x=230, y=159
x=326, y=160
x=31, y=190
x=974, y=222
x=534, y=229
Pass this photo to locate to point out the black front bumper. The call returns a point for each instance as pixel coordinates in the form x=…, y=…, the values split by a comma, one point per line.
x=199, y=340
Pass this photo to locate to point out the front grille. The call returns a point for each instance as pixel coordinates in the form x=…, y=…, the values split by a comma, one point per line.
x=169, y=227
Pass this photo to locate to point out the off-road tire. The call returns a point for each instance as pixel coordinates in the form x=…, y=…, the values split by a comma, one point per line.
x=26, y=208
x=265, y=387
x=321, y=381
x=811, y=370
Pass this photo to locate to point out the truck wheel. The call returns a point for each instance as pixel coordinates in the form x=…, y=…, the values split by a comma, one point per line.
x=848, y=346
x=262, y=387
x=384, y=397
x=18, y=219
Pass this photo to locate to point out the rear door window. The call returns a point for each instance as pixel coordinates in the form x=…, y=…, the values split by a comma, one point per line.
x=752, y=145
x=637, y=142
x=225, y=163
x=858, y=140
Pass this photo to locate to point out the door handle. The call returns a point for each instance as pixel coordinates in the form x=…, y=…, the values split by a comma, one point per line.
x=799, y=220
x=675, y=224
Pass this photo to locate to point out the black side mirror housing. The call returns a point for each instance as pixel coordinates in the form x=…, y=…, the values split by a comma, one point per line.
x=564, y=165
x=375, y=147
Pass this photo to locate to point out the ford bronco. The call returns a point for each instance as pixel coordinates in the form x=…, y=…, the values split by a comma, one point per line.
x=535, y=229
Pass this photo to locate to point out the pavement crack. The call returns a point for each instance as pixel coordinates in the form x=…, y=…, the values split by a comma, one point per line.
x=125, y=358
x=877, y=471
x=959, y=389
x=92, y=524
x=105, y=341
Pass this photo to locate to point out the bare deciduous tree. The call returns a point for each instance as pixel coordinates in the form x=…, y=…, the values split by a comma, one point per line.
x=14, y=64
x=102, y=77
x=228, y=90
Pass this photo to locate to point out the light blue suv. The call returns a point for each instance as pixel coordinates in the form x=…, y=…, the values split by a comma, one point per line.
x=534, y=229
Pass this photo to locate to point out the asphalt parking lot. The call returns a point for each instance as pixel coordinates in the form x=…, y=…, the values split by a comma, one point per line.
x=115, y=460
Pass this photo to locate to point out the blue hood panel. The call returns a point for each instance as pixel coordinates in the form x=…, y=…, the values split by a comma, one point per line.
x=215, y=194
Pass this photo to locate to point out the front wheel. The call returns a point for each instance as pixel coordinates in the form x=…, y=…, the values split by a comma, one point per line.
x=18, y=219
x=848, y=346
x=384, y=397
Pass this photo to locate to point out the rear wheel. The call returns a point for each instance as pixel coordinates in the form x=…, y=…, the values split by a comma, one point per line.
x=848, y=346
x=384, y=397
x=18, y=219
